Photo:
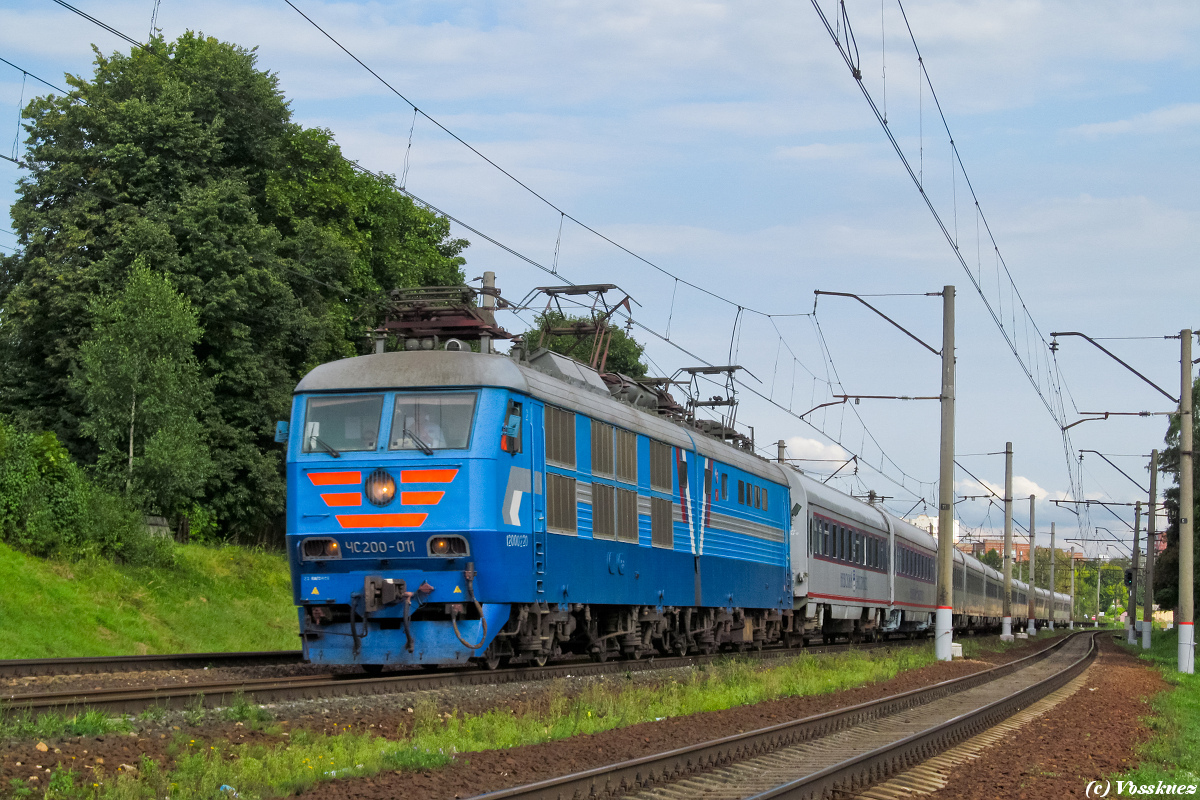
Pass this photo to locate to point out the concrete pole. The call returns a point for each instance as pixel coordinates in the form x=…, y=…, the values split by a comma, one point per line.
x=1053, y=559
x=1131, y=630
x=1031, y=628
x=781, y=451
x=488, y=304
x=1098, y=574
x=1006, y=624
x=1187, y=632
x=1148, y=592
x=944, y=617
x=1072, y=617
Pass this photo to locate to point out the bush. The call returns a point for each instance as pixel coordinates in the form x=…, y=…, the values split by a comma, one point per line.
x=49, y=507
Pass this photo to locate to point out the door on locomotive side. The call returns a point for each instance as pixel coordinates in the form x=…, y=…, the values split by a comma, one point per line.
x=521, y=499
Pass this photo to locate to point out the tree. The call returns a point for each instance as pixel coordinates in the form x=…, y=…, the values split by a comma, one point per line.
x=184, y=155
x=1166, y=564
x=141, y=389
x=624, y=352
x=993, y=559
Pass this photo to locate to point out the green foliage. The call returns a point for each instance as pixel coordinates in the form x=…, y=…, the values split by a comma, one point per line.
x=48, y=506
x=52, y=724
x=993, y=559
x=241, y=709
x=208, y=600
x=183, y=158
x=624, y=352
x=1172, y=754
x=1166, y=567
x=141, y=389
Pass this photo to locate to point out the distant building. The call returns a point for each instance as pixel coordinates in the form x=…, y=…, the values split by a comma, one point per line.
x=928, y=523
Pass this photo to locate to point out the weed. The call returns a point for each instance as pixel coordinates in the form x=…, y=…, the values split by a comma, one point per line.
x=242, y=710
x=194, y=714
x=51, y=724
x=155, y=713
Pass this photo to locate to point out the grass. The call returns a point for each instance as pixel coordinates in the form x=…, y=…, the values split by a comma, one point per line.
x=1172, y=755
x=51, y=724
x=214, y=600
x=264, y=771
x=977, y=647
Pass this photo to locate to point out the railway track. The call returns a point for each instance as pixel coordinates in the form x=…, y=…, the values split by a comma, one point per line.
x=37, y=667
x=839, y=751
x=274, y=690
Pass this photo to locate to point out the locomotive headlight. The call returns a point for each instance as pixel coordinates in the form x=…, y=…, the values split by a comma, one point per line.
x=317, y=549
x=380, y=488
x=449, y=546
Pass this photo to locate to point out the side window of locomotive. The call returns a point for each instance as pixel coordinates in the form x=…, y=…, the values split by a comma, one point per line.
x=433, y=421
x=602, y=449
x=765, y=499
x=758, y=497
x=626, y=456
x=742, y=492
x=338, y=424
x=724, y=486
x=560, y=437
x=660, y=466
x=510, y=434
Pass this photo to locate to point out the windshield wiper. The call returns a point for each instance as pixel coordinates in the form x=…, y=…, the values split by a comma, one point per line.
x=333, y=451
x=424, y=448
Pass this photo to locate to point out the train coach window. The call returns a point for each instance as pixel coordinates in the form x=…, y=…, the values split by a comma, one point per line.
x=433, y=421
x=765, y=499
x=724, y=486
x=560, y=437
x=340, y=424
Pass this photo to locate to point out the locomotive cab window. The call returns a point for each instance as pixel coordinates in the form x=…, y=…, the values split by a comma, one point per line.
x=439, y=421
x=340, y=424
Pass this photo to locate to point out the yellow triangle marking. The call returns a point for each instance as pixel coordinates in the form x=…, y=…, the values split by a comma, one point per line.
x=457, y=590
x=314, y=591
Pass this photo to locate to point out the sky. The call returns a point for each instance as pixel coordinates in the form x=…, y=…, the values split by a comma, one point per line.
x=728, y=145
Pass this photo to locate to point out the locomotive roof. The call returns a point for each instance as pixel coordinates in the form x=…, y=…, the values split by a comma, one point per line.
x=440, y=369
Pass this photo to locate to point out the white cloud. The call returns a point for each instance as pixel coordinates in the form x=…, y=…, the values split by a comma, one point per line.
x=1160, y=120
x=800, y=447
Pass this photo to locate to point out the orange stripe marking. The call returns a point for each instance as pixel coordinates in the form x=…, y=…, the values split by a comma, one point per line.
x=343, y=499
x=334, y=478
x=421, y=498
x=428, y=475
x=381, y=520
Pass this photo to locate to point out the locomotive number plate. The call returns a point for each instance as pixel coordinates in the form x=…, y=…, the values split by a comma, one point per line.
x=361, y=547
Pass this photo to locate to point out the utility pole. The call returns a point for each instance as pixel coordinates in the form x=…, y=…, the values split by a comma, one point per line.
x=944, y=617
x=1072, y=618
x=1031, y=628
x=1006, y=624
x=1148, y=603
x=1187, y=632
x=781, y=451
x=1131, y=632
x=1053, y=558
x=488, y=310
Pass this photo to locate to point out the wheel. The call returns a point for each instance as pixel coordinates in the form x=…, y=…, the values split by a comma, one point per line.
x=491, y=660
x=679, y=646
x=540, y=659
x=601, y=654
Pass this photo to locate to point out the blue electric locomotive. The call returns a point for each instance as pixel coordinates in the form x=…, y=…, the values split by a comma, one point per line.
x=451, y=505
x=447, y=506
